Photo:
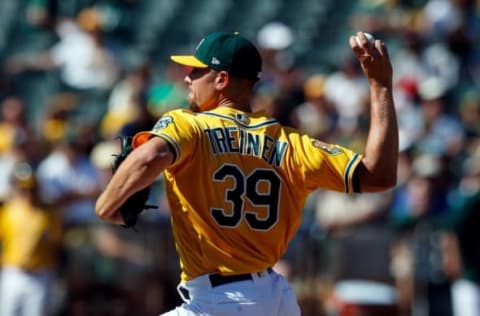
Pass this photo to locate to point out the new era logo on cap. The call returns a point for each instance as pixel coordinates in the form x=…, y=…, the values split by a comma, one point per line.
x=225, y=51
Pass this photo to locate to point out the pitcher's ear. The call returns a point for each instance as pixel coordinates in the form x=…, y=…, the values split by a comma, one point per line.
x=222, y=80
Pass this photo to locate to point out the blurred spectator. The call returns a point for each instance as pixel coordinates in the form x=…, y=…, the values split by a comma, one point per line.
x=30, y=233
x=280, y=89
x=422, y=195
x=86, y=66
x=281, y=94
x=80, y=53
x=317, y=115
x=24, y=148
x=18, y=142
x=68, y=178
x=136, y=98
x=438, y=131
x=460, y=244
x=273, y=40
x=407, y=60
x=123, y=98
x=102, y=157
x=349, y=105
x=85, y=62
x=469, y=109
x=386, y=17
x=13, y=120
x=439, y=62
x=142, y=120
x=54, y=124
x=168, y=93
x=41, y=13
x=264, y=100
x=442, y=17
x=419, y=203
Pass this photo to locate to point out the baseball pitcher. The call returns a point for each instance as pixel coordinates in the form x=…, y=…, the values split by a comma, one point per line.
x=237, y=180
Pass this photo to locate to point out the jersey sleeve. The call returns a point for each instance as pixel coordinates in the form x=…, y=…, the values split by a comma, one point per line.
x=326, y=166
x=178, y=129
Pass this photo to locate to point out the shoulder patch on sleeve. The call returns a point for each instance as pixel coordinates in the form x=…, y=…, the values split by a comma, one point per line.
x=328, y=148
x=163, y=122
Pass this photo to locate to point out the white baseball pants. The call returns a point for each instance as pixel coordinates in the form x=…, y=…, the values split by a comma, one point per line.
x=24, y=293
x=265, y=293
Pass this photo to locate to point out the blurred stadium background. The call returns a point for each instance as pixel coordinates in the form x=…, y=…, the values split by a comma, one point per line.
x=77, y=73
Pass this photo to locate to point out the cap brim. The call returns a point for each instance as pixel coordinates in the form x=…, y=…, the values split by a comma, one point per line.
x=188, y=61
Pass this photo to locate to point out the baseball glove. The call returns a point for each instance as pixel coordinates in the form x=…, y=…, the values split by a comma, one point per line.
x=137, y=202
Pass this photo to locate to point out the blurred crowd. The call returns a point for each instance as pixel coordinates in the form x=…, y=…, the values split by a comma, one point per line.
x=77, y=74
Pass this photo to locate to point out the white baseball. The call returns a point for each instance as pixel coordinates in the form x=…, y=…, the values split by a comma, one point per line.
x=368, y=36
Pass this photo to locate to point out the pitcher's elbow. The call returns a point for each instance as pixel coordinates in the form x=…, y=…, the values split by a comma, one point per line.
x=389, y=182
x=376, y=179
x=379, y=184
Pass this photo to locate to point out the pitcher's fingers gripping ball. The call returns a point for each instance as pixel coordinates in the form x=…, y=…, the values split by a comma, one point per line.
x=370, y=38
x=373, y=57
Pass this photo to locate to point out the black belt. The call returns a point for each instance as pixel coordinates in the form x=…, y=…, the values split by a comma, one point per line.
x=217, y=279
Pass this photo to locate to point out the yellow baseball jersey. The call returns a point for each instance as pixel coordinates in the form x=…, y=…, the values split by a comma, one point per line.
x=238, y=185
x=29, y=236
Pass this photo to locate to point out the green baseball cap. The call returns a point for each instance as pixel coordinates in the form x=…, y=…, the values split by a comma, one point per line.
x=225, y=51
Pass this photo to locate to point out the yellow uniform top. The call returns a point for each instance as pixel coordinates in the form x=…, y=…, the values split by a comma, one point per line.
x=238, y=185
x=29, y=236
